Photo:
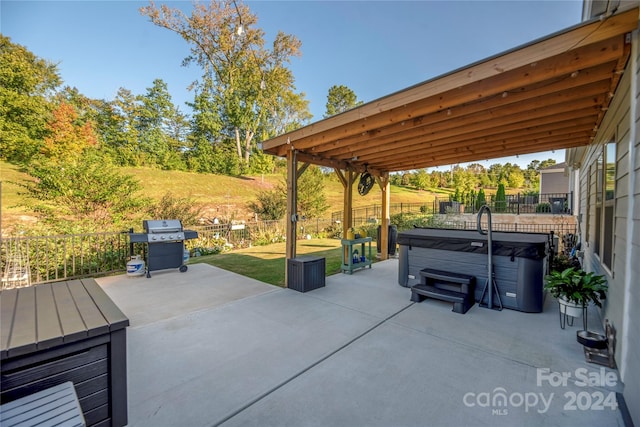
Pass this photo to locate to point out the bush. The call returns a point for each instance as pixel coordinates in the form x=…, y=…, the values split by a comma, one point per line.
x=408, y=220
x=270, y=205
x=267, y=237
x=543, y=208
x=173, y=207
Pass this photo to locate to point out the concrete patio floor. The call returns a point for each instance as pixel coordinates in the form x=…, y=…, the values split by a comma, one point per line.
x=210, y=347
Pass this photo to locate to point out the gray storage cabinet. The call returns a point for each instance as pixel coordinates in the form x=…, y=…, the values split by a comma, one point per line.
x=65, y=331
x=519, y=261
x=306, y=273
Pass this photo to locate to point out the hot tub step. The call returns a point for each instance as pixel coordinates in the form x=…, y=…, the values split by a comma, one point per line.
x=461, y=302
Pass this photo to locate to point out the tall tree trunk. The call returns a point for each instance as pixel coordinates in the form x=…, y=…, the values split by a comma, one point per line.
x=247, y=147
x=238, y=146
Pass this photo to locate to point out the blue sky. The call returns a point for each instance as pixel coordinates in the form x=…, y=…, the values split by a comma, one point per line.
x=373, y=47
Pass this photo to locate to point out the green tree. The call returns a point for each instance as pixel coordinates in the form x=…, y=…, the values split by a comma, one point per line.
x=480, y=200
x=312, y=201
x=80, y=195
x=160, y=127
x=440, y=179
x=269, y=205
x=395, y=179
x=421, y=179
x=247, y=82
x=27, y=84
x=546, y=163
x=516, y=178
x=119, y=131
x=463, y=180
x=500, y=202
x=496, y=174
x=340, y=99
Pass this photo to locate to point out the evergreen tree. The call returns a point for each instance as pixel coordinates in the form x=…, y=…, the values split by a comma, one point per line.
x=480, y=201
x=340, y=99
x=501, y=199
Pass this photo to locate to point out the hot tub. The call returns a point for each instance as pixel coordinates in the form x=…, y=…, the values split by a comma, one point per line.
x=519, y=261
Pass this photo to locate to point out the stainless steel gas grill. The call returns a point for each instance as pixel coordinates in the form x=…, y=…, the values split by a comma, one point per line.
x=165, y=243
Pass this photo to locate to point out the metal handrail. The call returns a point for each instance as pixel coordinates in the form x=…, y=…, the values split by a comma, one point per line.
x=490, y=284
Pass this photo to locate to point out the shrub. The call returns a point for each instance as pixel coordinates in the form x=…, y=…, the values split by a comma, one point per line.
x=501, y=199
x=543, y=208
x=173, y=207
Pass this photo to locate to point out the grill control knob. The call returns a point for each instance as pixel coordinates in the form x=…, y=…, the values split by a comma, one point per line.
x=154, y=238
x=162, y=237
x=171, y=237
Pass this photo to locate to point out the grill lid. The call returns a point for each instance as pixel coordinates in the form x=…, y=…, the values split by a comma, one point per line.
x=162, y=226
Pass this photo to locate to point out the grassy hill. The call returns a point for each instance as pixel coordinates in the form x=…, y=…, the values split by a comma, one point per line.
x=222, y=196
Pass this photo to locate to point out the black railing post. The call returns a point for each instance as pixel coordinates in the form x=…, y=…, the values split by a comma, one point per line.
x=130, y=243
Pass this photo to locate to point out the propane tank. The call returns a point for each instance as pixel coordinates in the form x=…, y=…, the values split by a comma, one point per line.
x=135, y=267
x=185, y=256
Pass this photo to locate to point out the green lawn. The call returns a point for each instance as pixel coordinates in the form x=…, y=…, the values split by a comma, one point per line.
x=266, y=263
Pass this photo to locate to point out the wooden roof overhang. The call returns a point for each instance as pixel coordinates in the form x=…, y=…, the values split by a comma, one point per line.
x=549, y=94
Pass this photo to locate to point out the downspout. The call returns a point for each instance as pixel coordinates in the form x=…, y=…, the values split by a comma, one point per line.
x=633, y=133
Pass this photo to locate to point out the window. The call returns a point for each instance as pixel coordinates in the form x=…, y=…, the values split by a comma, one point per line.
x=609, y=204
x=604, y=174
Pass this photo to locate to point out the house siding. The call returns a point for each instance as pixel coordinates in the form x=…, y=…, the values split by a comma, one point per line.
x=553, y=182
x=623, y=297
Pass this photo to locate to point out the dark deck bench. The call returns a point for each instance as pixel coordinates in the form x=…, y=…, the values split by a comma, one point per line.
x=446, y=286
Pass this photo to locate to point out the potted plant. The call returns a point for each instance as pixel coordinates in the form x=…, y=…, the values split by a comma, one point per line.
x=575, y=289
x=351, y=233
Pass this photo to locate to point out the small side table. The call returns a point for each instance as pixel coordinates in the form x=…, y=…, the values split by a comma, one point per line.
x=348, y=266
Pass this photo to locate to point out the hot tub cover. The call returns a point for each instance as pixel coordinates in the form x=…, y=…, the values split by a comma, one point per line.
x=510, y=244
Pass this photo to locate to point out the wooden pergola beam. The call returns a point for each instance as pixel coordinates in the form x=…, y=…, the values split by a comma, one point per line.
x=485, y=120
x=478, y=111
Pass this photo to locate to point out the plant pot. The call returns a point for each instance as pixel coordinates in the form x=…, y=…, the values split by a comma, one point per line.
x=569, y=308
x=569, y=311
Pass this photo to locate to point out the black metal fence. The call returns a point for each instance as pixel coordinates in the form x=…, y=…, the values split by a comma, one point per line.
x=29, y=260
x=548, y=203
x=42, y=259
x=373, y=213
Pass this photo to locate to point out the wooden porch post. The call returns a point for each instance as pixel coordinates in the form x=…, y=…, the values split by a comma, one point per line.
x=385, y=187
x=292, y=201
x=347, y=211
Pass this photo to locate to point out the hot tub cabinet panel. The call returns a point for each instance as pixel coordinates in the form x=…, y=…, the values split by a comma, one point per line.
x=519, y=261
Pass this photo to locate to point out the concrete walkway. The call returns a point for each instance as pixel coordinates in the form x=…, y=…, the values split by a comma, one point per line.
x=209, y=347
